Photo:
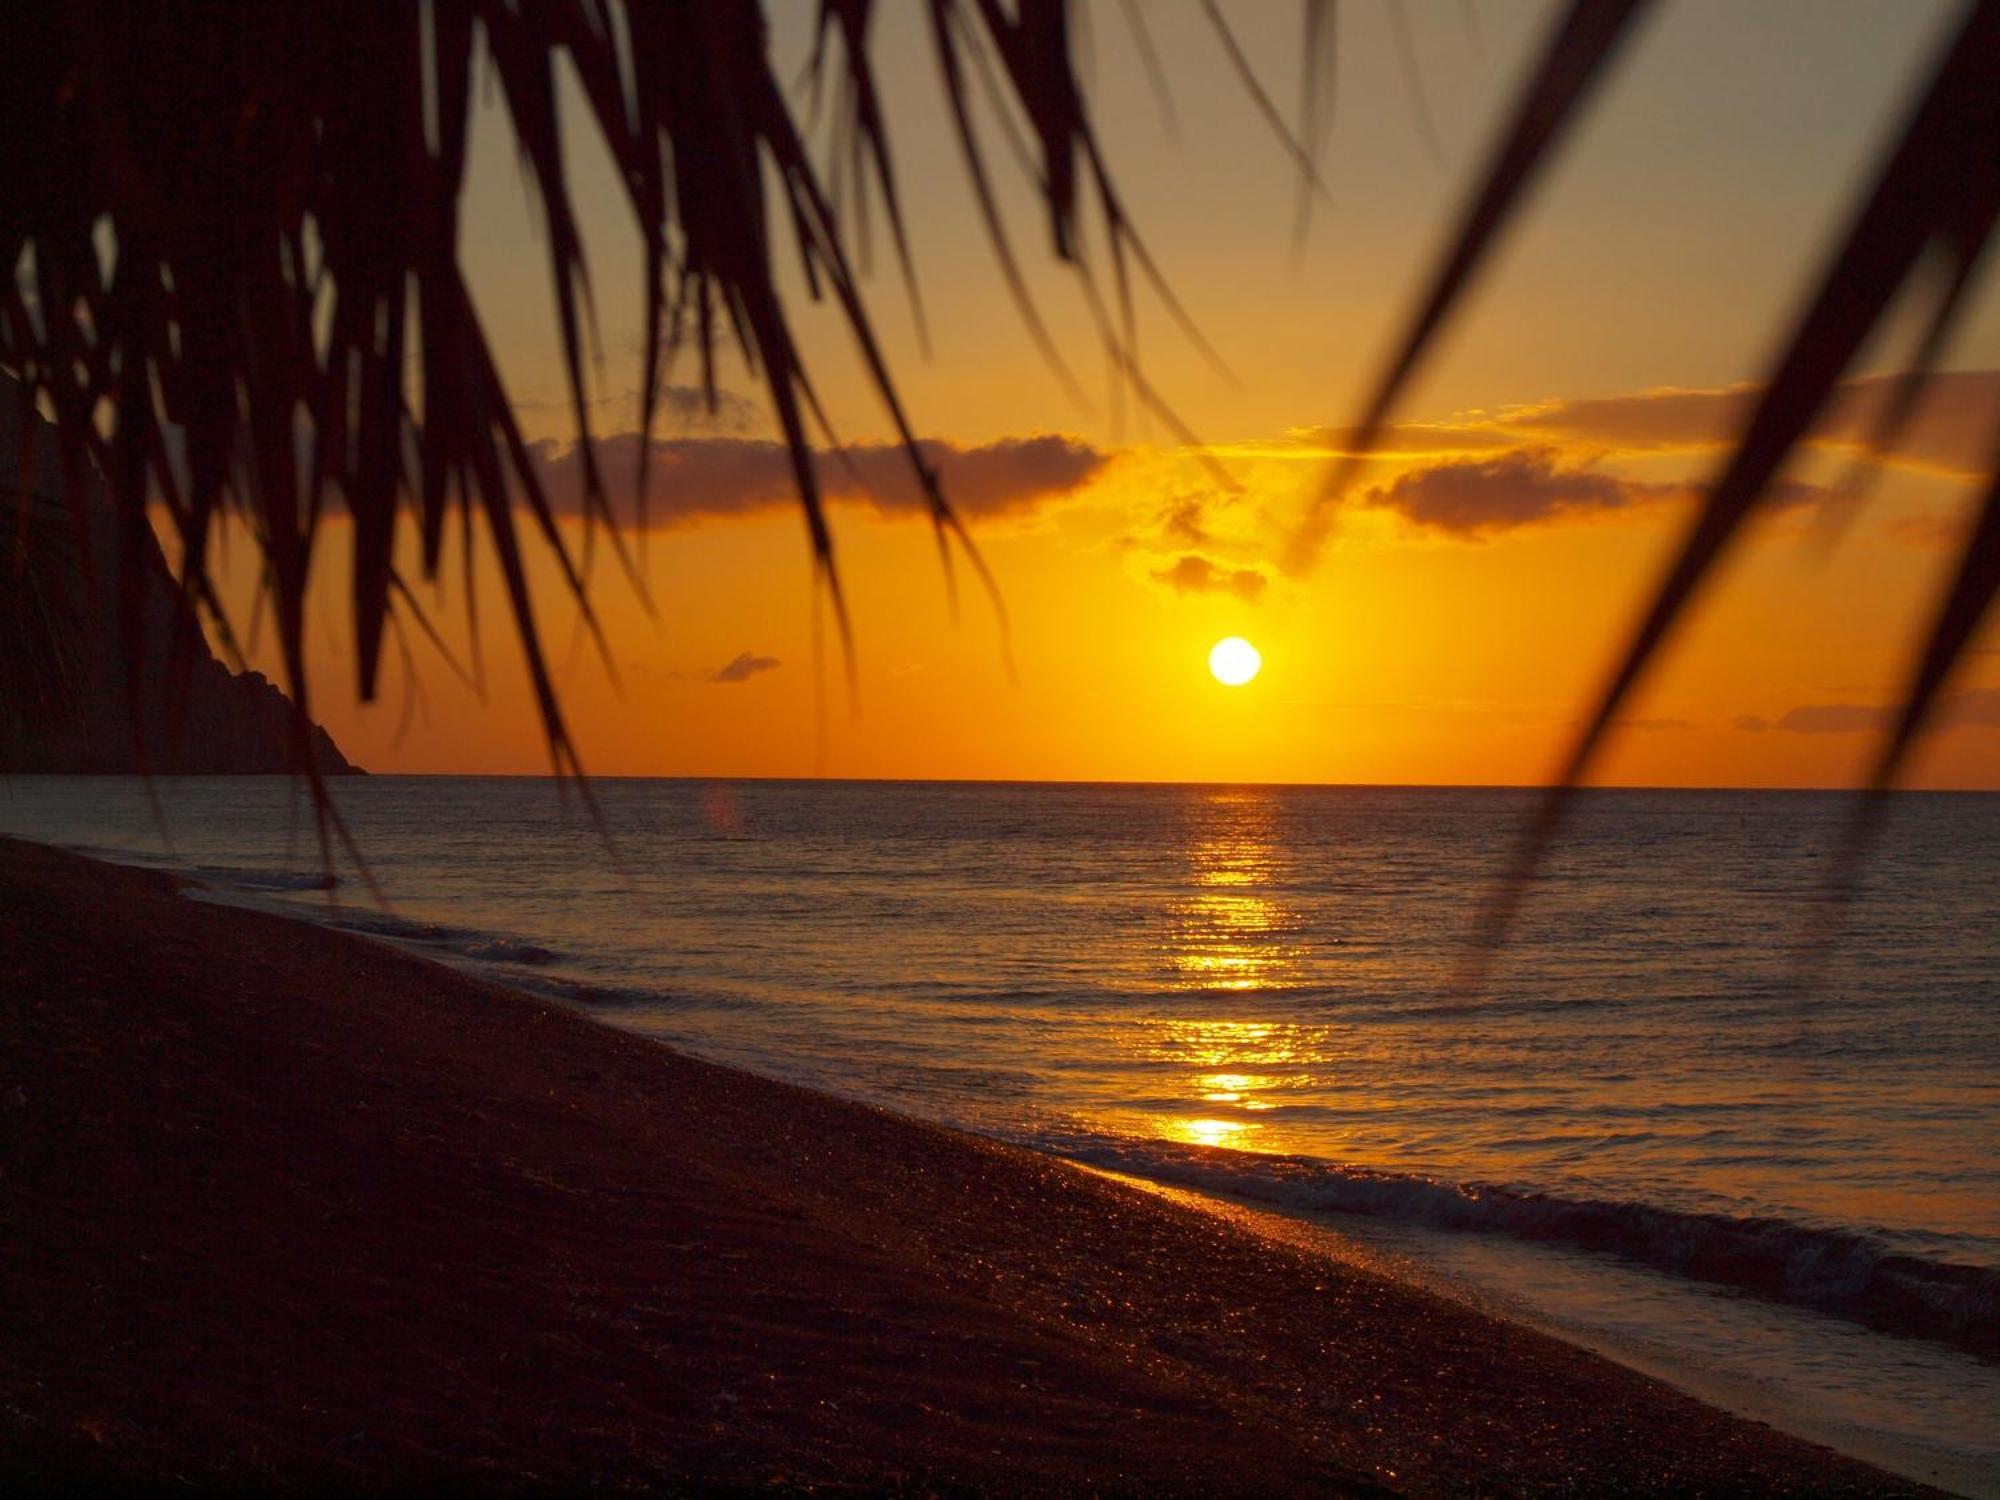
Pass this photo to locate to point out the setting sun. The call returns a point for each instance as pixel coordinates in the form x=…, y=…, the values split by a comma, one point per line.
x=1234, y=661
x=1534, y=1043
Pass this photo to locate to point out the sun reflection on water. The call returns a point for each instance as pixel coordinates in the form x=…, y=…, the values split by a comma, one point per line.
x=1227, y=1073
x=1227, y=934
x=1239, y=1089
x=1206, y=1132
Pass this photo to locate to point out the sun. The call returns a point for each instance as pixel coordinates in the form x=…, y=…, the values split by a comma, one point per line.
x=1234, y=661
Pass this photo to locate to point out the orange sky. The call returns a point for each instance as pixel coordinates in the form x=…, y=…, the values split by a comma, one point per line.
x=1480, y=576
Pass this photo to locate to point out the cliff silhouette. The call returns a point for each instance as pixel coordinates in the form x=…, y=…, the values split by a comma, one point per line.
x=67, y=700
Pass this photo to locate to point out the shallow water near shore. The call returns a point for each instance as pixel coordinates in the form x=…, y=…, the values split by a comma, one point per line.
x=1246, y=991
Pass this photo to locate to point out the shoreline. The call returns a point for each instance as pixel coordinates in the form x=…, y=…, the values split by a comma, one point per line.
x=286, y=1206
x=1423, y=1257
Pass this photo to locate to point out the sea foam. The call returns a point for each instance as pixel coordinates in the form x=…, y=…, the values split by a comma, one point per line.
x=1839, y=1271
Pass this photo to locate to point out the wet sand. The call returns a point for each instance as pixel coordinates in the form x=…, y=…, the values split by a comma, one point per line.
x=282, y=1206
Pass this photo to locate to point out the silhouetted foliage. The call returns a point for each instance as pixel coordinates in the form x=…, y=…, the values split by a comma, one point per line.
x=236, y=222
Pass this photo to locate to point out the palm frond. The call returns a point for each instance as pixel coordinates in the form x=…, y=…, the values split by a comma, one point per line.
x=1964, y=608
x=231, y=225
x=1938, y=188
x=236, y=220
x=1960, y=254
x=1319, y=60
x=236, y=224
x=1577, y=57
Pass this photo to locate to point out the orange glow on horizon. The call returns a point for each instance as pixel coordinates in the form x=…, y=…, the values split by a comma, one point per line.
x=1478, y=580
x=1406, y=658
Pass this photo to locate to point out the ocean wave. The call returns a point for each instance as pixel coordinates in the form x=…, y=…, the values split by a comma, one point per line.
x=255, y=879
x=487, y=947
x=1842, y=1272
x=508, y=951
x=604, y=996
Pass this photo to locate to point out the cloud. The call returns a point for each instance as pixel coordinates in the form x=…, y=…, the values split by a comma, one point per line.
x=1407, y=439
x=1978, y=708
x=1950, y=431
x=1926, y=529
x=1751, y=723
x=1183, y=521
x=1784, y=495
x=1194, y=574
x=743, y=666
x=1477, y=497
x=713, y=478
x=1644, y=420
x=1834, y=718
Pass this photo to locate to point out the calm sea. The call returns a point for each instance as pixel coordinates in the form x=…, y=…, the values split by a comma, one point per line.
x=1247, y=990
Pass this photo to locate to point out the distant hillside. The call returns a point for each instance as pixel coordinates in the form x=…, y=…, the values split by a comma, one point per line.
x=64, y=699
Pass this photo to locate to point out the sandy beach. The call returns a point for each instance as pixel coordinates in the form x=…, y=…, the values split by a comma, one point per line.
x=285, y=1207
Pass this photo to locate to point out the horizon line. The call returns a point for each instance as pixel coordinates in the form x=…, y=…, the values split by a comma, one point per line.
x=1064, y=781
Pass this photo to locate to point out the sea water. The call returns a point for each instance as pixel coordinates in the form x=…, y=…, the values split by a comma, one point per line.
x=1659, y=1125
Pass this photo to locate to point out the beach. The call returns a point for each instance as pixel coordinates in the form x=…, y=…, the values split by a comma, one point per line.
x=285, y=1206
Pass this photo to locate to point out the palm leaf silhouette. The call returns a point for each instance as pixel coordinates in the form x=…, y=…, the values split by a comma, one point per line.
x=236, y=223
x=237, y=220
x=1578, y=55
x=1936, y=192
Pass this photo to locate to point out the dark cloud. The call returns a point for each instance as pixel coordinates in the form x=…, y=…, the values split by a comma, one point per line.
x=711, y=478
x=1183, y=521
x=1195, y=574
x=1477, y=497
x=1834, y=718
x=1751, y=723
x=1976, y=709
x=1662, y=419
x=743, y=667
x=1951, y=430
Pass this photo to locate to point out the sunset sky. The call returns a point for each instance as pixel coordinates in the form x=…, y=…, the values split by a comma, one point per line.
x=1479, y=578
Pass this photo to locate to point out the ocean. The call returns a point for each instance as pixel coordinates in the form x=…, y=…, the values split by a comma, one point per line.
x=1653, y=1130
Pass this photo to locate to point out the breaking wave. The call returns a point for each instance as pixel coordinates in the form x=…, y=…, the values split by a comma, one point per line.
x=255, y=879
x=464, y=942
x=1839, y=1271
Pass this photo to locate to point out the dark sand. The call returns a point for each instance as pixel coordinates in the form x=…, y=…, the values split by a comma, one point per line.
x=283, y=1206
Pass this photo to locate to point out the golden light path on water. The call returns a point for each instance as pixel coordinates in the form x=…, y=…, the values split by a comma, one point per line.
x=1228, y=936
